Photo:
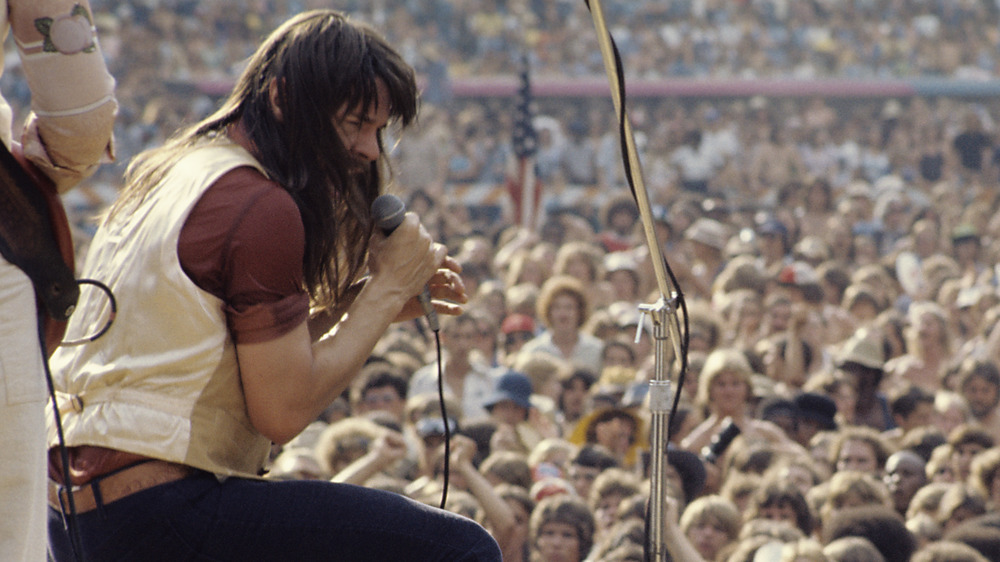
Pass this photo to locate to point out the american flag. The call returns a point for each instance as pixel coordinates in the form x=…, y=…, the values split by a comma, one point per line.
x=521, y=182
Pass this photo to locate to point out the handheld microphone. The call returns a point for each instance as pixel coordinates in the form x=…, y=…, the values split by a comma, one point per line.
x=388, y=211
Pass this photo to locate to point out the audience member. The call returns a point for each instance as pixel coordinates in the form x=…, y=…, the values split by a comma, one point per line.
x=467, y=376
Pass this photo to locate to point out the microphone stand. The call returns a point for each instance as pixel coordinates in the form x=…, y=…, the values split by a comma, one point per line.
x=660, y=405
x=666, y=325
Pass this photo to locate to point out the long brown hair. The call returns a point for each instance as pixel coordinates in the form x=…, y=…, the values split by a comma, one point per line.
x=322, y=64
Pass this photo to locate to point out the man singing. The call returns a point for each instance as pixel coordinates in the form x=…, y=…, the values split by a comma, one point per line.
x=217, y=247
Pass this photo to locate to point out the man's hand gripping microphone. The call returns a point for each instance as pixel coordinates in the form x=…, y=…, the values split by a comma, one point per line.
x=388, y=211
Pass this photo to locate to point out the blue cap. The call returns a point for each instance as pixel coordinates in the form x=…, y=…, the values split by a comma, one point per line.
x=773, y=226
x=513, y=386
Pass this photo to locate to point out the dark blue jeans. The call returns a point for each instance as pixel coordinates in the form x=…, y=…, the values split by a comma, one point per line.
x=200, y=518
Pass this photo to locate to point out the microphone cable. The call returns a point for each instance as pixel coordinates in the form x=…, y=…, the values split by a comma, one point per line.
x=629, y=154
x=70, y=523
x=444, y=418
x=435, y=329
x=443, y=408
x=388, y=212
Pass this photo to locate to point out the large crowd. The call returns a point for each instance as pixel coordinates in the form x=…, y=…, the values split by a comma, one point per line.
x=838, y=262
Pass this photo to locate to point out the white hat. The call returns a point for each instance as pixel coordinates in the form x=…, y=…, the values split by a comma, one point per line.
x=709, y=232
x=863, y=348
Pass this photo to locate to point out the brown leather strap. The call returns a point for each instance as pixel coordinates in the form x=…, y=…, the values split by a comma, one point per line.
x=117, y=485
x=34, y=236
x=54, y=328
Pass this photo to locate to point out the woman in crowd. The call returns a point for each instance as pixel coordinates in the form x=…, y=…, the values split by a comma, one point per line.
x=711, y=523
x=561, y=529
x=725, y=393
x=929, y=348
x=563, y=306
x=778, y=500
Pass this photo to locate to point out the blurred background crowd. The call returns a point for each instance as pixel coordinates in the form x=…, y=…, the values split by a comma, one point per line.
x=837, y=253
